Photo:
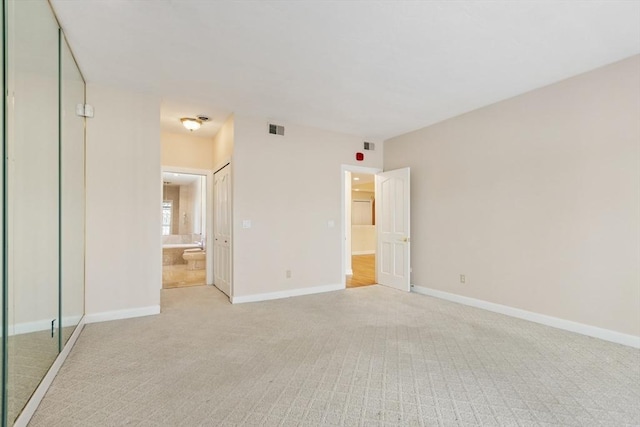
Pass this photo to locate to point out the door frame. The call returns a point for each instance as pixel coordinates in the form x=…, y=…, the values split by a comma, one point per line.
x=208, y=220
x=343, y=214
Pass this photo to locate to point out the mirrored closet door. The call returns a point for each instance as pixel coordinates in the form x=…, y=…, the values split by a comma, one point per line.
x=32, y=199
x=44, y=199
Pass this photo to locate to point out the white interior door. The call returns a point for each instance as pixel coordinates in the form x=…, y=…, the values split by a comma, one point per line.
x=222, y=230
x=393, y=219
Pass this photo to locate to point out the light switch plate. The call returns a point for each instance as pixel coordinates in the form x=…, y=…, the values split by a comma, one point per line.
x=246, y=223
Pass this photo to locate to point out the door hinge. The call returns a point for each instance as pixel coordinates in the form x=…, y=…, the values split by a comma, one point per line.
x=84, y=110
x=53, y=325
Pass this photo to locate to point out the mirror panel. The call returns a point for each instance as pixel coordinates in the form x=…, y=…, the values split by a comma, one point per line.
x=3, y=335
x=72, y=194
x=32, y=204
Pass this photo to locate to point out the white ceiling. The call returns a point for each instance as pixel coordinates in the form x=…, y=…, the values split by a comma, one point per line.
x=375, y=69
x=362, y=178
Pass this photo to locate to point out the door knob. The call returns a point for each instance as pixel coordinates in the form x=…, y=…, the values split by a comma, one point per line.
x=405, y=239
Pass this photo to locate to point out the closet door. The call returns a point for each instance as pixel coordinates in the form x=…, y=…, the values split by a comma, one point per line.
x=72, y=194
x=32, y=208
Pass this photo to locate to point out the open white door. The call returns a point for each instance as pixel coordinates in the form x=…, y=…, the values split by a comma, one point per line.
x=222, y=230
x=392, y=219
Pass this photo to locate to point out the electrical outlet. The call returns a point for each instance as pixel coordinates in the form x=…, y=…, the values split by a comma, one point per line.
x=288, y=274
x=463, y=278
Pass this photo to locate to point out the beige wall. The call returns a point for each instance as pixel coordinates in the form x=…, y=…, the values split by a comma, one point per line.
x=289, y=187
x=536, y=199
x=124, y=192
x=172, y=193
x=362, y=195
x=223, y=143
x=187, y=151
x=363, y=239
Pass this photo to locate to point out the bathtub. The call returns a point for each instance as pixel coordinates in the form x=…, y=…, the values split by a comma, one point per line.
x=181, y=245
x=172, y=252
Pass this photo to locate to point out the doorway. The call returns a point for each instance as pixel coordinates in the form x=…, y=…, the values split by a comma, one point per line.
x=363, y=230
x=384, y=206
x=358, y=226
x=184, y=229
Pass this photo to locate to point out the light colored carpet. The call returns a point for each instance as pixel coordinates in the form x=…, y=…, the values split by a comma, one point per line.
x=29, y=357
x=364, y=356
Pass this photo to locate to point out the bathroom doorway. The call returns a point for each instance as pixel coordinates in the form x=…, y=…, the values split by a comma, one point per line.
x=184, y=229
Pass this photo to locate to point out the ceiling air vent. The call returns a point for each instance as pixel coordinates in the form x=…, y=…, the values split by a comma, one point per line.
x=276, y=129
x=369, y=146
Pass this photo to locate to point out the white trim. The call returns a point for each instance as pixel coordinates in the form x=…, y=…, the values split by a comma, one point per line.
x=41, y=325
x=373, y=252
x=28, y=327
x=105, y=316
x=343, y=195
x=33, y=403
x=286, y=294
x=567, y=325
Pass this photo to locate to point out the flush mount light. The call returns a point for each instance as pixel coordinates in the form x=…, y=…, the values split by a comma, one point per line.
x=357, y=189
x=356, y=179
x=191, y=123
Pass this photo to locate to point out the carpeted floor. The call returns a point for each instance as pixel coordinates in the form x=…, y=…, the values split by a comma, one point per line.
x=364, y=356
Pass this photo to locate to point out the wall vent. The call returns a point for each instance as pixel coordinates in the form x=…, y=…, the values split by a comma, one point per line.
x=369, y=146
x=276, y=129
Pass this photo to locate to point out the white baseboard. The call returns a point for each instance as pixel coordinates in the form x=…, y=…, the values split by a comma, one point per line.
x=38, y=395
x=122, y=314
x=28, y=327
x=286, y=294
x=373, y=252
x=41, y=325
x=567, y=325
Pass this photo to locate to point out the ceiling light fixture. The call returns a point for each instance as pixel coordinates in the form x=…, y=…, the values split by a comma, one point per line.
x=356, y=179
x=191, y=124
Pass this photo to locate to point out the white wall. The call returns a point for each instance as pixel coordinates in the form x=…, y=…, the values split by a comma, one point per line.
x=32, y=193
x=124, y=193
x=363, y=239
x=536, y=199
x=289, y=187
x=363, y=195
x=363, y=236
x=223, y=143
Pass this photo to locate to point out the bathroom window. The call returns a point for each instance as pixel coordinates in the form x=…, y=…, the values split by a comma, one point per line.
x=167, y=208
